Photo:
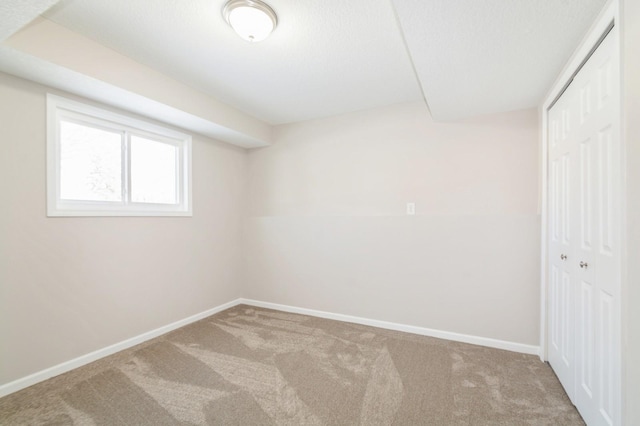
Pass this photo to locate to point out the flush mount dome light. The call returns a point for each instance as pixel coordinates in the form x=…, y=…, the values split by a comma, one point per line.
x=253, y=20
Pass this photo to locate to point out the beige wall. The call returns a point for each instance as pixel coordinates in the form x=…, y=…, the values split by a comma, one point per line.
x=631, y=290
x=69, y=286
x=327, y=227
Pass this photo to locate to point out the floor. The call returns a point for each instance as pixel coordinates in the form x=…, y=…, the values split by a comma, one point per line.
x=254, y=366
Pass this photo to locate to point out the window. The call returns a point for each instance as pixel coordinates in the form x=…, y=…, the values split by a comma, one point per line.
x=104, y=164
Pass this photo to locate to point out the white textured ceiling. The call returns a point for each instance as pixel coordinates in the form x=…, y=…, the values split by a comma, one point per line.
x=15, y=14
x=482, y=56
x=325, y=57
x=328, y=57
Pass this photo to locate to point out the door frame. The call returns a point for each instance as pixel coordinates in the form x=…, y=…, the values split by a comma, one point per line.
x=609, y=15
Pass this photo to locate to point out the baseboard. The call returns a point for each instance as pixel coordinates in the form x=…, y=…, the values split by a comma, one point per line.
x=56, y=370
x=457, y=337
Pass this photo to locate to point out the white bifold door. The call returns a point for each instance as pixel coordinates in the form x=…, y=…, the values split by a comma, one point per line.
x=584, y=237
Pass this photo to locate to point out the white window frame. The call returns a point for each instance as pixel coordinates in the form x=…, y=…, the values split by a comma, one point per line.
x=59, y=108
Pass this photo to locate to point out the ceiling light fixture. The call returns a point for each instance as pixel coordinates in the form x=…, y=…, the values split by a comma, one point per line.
x=253, y=20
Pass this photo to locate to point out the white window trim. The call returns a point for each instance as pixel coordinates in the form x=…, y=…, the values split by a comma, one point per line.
x=59, y=107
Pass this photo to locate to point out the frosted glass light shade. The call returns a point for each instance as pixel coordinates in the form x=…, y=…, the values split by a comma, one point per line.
x=252, y=20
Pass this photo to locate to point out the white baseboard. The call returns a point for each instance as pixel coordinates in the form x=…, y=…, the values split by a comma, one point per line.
x=56, y=370
x=457, y=337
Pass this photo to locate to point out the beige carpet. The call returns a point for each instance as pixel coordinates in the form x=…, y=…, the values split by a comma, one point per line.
x=252, y=366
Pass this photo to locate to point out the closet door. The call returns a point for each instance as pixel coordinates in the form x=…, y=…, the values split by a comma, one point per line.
x=584, y=237
x=598, y=237
x=562, y=184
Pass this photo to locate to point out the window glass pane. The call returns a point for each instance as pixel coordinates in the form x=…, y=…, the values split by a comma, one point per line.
x=90, y=163
x=153, y=171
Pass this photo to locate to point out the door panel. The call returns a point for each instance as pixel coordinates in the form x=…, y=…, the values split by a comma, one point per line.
x=606, y=367
x=605, y=187
x=587, y=345
x=566, y=321
x=562, y=299
x=586, y=195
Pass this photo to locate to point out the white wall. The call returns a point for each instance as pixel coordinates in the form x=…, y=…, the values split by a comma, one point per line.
x=327, y=228
x=69, y=286
x=631, y=129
